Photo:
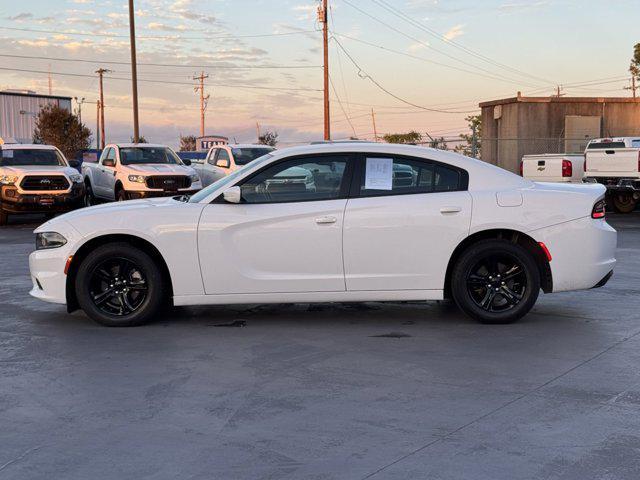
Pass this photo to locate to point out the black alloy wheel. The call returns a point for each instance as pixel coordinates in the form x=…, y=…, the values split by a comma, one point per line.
x=118, y=287
x=497, y=283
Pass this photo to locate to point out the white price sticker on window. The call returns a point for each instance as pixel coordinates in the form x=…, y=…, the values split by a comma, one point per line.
x=379, y=174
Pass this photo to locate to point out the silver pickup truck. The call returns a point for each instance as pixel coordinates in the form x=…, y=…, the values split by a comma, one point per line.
x=37, y=179
x=221, y=160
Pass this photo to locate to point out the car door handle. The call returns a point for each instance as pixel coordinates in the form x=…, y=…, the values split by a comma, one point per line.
x=326, y=219
x=446, y=210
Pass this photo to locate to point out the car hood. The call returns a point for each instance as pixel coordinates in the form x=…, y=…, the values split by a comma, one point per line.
x=38, y=169
x=162, y=169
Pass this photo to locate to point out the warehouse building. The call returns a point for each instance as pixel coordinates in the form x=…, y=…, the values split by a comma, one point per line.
x=19, y=109
x=513, y=127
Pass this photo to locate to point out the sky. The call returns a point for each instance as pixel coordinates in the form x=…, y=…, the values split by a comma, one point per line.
x=419, y=64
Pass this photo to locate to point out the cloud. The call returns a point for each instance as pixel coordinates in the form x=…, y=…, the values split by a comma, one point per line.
x=167, y=28
x=416, y=47
x=519, y=6
x=182, y=9
x=82, y=2
x=454, y=32
x=305, y=12
x=20, y=17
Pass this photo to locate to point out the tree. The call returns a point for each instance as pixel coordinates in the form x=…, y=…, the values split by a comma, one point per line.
x=410, y=137
x=59, y=127
x=188, y=143
x=141, y=139
x=467, y=144
x=439, y=142
x=634, y=68
x=268, y=138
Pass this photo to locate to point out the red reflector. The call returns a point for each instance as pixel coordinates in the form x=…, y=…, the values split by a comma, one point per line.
x=68, y=264
x=567, y=168
x=545, y=250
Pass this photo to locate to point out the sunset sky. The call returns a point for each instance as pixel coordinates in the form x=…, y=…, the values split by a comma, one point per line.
x=443, y=55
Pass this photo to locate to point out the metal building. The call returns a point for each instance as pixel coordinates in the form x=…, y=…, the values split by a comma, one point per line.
x=513, y=127
x=19, y=109
x=208, y=141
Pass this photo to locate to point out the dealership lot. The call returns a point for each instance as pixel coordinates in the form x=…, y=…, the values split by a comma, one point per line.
x=389, y=391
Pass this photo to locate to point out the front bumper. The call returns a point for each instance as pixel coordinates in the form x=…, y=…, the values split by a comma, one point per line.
x=615, y=184
x=15, y=201
x=138, y=194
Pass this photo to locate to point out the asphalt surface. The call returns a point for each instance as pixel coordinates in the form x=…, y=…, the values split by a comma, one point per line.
x=335, y=391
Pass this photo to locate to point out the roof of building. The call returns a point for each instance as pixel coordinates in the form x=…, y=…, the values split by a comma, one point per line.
x=521, y=99
x=14, y=93
x=213, y=136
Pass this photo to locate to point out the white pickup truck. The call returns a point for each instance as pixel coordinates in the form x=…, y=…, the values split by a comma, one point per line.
x=221, y=160
x=37, y=179
x=615, y=163
x=138, y=170
x=553, y=167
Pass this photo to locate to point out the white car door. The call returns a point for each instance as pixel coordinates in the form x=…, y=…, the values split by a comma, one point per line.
x=284, y=236
x=105, y=175
x=407, y=218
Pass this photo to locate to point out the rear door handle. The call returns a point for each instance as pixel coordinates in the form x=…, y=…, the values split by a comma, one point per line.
x=325, y=220
x=446, y=210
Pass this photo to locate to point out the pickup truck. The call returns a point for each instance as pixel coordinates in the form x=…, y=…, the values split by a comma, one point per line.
x=615, y=163
x=553, y=167
x=221, y=160
x=138, y=170
x=37, y=179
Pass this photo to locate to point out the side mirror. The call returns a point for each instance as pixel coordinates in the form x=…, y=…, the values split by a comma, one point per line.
x=232, y=195
x=186, y=161
x=74, y=163
x=109, y=162
x=223, y=163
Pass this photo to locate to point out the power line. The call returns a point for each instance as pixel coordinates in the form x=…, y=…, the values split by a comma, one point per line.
x=342, y=107
x=147, y=64
x=156, y=37
x=364, y=75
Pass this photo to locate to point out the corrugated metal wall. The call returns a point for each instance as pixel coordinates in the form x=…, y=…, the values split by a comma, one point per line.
x=18, y=114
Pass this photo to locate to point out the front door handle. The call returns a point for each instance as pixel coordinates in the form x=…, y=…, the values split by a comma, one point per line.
x=325, y=220
x=446, y=210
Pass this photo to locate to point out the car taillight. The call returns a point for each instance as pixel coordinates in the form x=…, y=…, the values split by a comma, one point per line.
x=567, y=168
x=521, y=168
x=599, y=209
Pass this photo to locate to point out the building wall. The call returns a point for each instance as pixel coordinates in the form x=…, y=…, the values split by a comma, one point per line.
x=18, y=113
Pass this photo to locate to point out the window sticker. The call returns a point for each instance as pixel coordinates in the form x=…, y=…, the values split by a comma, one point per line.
x=7, y=153
x=379, y=174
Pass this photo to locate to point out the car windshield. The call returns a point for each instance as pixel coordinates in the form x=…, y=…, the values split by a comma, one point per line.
x=31, y=156
x=242, y=156
x=141, y=155
x=225, y=181
x=605, y=145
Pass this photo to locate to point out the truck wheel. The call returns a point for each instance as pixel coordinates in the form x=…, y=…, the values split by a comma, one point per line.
x=121, y=196
x=495, y=281
x=89, y=198
x=119, y=285
x=623, y=202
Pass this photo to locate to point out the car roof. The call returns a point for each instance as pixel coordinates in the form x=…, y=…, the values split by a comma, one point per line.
x=26, y=146
x=246, y=145
x=136, y=145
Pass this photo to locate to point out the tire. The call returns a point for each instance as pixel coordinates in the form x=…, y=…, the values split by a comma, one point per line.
x=121, y=195
x=118, y=285
x=4, y=217
x=89, y=197
x=495, y=281
x=623, y=202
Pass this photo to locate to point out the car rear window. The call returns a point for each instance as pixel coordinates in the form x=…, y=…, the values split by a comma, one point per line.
x=605, y=145
x=26, y=156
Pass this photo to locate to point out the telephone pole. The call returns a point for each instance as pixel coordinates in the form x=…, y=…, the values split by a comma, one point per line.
x=635, y=72
x=322, y=18
x=375, y=130
x=134, y=72
x=203, y=99
x=559, y=91
x=98, y=125
x=101, y=72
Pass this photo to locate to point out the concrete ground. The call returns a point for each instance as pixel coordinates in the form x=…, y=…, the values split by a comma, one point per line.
x=382, y=391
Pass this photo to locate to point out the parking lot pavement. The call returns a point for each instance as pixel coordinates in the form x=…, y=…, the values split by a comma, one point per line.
x=383, y=391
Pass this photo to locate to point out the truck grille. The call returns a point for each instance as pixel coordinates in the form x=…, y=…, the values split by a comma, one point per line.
x=169, y=183
x=44, y=183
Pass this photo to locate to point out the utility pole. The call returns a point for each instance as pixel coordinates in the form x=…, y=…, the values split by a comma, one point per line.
x=101, y=72
x=134, y=72
x=635, y=72
x=203, y=99
x=559, y=91
x=322, y=18
x=375, y=130
x=98, y=125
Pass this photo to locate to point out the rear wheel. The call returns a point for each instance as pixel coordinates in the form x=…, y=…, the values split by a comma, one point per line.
x=119, y=285
x=623, y=202
x=89, y=198
x=495, y=281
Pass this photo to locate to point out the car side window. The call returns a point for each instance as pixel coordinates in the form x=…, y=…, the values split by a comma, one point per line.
x=297, y=180
x=389, y=175
x=105, y=154
x=212, y=157
x=222, y=158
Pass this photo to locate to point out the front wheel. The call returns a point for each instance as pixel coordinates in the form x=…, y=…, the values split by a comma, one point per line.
x=119, y=285
x=623, y=202
x=495, y=281
x=89, y=197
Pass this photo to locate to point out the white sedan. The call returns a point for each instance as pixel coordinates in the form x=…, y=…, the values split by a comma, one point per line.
x=336, y=222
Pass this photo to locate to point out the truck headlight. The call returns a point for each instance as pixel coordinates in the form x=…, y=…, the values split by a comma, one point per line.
x=194, y=178
x=76, y=178
x=8, y=179
x=137, y=178
x=47, y=240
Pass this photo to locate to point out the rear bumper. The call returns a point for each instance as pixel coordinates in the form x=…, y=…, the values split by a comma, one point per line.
x=616, y=184
x=14, y=201
x=138, y=194
x=583, y=253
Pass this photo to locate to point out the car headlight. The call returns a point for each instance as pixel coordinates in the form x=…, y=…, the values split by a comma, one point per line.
x=194, y=178
x=137, y=178
x=47, y=240
x=8, y=179
x=76, y=178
